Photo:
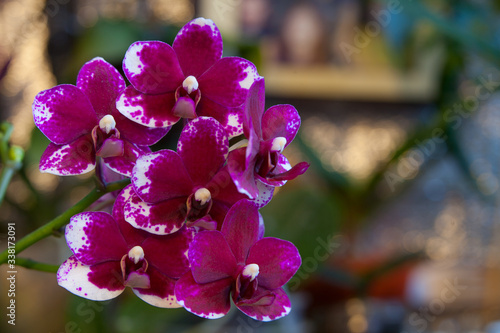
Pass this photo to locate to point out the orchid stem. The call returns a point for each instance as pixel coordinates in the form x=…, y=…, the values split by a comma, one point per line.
x=11, y=158
x=49, y=228
x=38, y=266
x=5, y=177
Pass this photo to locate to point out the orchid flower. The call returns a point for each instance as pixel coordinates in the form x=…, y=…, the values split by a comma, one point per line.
x=186, y=80
x=82, y=123
x=109, y=255
x=260, y=166
x=238, y=263
x=191, y=185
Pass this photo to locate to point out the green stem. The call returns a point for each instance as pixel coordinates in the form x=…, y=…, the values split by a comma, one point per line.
x=39, y=266
x=49, y=228
x=10, y=165
x=5, y=177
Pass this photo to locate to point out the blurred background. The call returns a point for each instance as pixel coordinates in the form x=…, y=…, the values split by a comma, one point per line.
x=397, y=220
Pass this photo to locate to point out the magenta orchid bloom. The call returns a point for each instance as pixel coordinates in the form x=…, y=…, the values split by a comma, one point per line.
x=109, y=255
x=186, y=80
x=238, y=263
x=191, y=185
x=82, y=122
x=259, y=167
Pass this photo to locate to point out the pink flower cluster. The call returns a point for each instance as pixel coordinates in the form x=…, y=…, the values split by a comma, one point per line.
x=187, y=230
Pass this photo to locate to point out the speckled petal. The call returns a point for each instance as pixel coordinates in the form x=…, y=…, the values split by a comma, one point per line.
x=266, y=193
x=203, y=147
x=280, y=307
x=241, y=228
x=231, y=118
x=101, y=83
x=153, y=111
x=160, y=176
x=94, y=237
x=228, y=81
x=152, y=67
x=138, y=134
x=280, y=121
x=210, y=300
x=63, y=113
x=74, y=276
x=125, y=164
x=242, y=175
x=198, y=46
x=75, y=158
x=160, y=218
x=131, y=234
x=161, y=292
x=274, y=270
x=211, y=257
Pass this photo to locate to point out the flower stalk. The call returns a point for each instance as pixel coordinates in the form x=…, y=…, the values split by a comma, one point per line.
x=61, y=220
x=11, y=158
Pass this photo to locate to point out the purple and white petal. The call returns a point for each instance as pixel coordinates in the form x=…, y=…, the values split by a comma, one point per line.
x=75, y=158
x=74, y=276
x=162, y=218
x=94, y=237
x=243, y=176
x=280, y=121
x=131, y=234
x=198, y=46
x=125, y=164
x=63, y=113
x=210, y=300
x=266, y=193
x=278, y=261
x=136, y=133
x=161, y=293
x=279, y=308
x=203, y=147
x=254, y=108
x=101, y=83
x=107, y=275
x=211, y=257
x=227, y=82
x=169, y=254
x=152, y=67
x=153, y=111
x=231, y=118
x=160, y=176
x=241, y=228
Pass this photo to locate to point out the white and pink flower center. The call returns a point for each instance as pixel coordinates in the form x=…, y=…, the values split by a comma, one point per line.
x=134, y=267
